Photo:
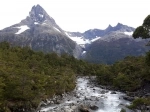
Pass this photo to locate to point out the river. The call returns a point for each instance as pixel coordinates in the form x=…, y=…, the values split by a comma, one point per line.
x=87, y=94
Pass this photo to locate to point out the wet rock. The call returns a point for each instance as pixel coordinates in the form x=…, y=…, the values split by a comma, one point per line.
x=128, y=98
x=148, y=108
x=57, y=102
x=103, y=92
x=83, y=109
x=147, y=95
x=93, y=107
x=113, y=92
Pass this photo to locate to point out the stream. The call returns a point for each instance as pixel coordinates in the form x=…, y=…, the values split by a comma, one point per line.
x=88, y=95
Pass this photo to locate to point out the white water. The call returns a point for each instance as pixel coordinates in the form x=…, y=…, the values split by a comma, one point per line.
x=102, y=98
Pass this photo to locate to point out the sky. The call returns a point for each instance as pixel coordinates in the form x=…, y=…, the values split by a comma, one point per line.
x=78, y=15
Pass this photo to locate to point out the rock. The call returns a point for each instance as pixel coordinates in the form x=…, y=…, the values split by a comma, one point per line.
x=42, y=104
x=86, y=98
x=132, y=94
x=93, y=107
x=148, y=94
x=113, y=92
x=57, y=102
x=148, y=108
x=83, y=109
x=128, y=98
x=97, y=99
x=103, y=92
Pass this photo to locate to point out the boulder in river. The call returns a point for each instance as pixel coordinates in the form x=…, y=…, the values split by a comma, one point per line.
x=83, y=109
x=93, y=107
x=128, y=98
x=113, y=92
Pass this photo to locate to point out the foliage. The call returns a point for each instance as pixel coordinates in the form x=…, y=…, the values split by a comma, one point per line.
x=139, y=102
x=143, y=31
x=27, y=77
x=104, y=75
x=130, y=74
x=123, y=110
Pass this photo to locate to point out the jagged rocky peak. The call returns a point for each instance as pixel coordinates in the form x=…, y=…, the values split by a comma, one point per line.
x=108, y=28
x=119, y=26
x=38, y=15
x=123, y=28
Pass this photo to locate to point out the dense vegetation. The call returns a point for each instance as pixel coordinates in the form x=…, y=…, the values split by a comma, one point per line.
x=27, y=77
x=143, y=30
x=139, y=102
x=130, y=74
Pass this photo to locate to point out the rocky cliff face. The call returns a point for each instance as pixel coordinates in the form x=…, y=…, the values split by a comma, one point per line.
x=40, y=32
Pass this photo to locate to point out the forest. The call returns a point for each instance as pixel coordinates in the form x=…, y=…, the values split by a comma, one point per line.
x=28, y=77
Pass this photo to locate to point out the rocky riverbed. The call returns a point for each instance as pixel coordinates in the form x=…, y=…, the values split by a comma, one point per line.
x=86, y=98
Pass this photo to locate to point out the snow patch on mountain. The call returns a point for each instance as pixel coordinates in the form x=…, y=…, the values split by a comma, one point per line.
x=84, y=52
x=22, y=29
x=78, y=40
x=41, y=15
x=128, y=33
x=57, y=29
x=81, y=40
x=95, y=39
x=36, y=23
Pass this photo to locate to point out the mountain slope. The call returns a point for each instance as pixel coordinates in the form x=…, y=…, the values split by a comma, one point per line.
x=109, y=45
x=40, y=32
x=115, y=46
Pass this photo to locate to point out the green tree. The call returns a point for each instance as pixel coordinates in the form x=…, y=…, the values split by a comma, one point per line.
x=144, y=30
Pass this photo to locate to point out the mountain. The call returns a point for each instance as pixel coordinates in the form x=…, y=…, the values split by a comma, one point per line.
x=92, y=35
x=40, y=32
x=109, y=45
x=114, y=47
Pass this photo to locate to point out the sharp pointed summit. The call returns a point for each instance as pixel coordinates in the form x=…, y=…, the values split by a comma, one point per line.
x=109, y=28
x=38, y=14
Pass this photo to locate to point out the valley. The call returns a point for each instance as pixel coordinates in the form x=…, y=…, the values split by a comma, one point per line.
x=44, y=68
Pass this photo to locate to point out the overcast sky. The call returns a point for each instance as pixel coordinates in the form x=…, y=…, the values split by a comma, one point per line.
x=78, y=15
